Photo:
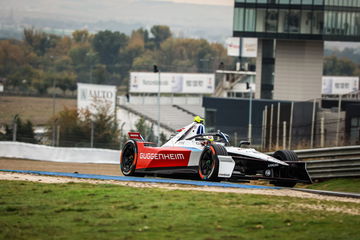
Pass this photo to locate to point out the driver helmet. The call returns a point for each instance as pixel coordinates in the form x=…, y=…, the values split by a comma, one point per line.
x=198, y=119
x=210, y=138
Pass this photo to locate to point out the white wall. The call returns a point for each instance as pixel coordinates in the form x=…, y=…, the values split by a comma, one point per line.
x=58, y=154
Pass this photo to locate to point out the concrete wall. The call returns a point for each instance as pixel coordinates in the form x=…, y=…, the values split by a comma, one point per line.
x=298, y=70
x=58, y=154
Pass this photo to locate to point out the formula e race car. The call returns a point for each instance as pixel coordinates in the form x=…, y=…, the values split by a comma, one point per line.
x=209, y=156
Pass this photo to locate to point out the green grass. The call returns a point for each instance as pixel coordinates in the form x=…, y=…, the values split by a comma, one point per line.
x=340, y=184
x=84, y=211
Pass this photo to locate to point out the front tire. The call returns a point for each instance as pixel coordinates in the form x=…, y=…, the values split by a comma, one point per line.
x=128, y=158
x=289, y=156
x=209, y=162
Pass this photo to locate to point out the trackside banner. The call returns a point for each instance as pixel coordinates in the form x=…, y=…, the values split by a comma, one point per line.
x=95, y=96
x=148, y=82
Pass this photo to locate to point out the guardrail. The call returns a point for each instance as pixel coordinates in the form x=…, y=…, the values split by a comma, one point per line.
x=328, y=153
x=333, y=162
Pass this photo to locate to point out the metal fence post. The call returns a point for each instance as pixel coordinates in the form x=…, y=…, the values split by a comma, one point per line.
x=278, y=126
x=58, y=135
x=92, y=135
x=291, y=124
x=14, y=131
x=312, y=125
x=262, y=129
x=322, y=132
x=271, y=125
x=338, y=121
x=265, y=126
x=53, y=134
x=284, y=134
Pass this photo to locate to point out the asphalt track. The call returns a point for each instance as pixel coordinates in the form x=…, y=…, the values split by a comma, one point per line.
x=101, y=172
x=142, y=179
x=112, y=172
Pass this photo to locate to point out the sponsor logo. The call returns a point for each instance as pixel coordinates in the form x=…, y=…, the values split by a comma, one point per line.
x=86, y=94
x=162, y=156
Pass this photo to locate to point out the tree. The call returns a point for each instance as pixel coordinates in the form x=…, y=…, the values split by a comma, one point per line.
x=107, y=44
x=24, y=131
x=145, y=130
x=81, y=36
x=76, y=127
x=160, y=33
x=339, y=66
x=39, y=41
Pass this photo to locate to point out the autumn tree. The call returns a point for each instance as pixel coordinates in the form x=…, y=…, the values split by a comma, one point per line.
x=107, y=44
x=160, y=33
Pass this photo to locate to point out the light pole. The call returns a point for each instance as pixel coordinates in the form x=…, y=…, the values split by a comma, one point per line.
x=156, y=70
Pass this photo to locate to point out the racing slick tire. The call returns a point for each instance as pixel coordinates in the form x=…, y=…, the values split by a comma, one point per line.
x=209, y=162
x=285, y=155
x=128, y=158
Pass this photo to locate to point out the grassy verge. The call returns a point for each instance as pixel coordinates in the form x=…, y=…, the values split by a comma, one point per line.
x=36, y=109
x=340, y=185
x=84, y=211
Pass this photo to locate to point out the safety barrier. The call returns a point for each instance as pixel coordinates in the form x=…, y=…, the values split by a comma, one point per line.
x=328, y=153
x=58, y=154
x=334, y=168
x=333, y=162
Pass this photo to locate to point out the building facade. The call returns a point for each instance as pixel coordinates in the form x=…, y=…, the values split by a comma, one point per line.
x=291, y=35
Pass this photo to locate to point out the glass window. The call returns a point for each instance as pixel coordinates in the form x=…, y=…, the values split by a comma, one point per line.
x=282, y=28
x=352, y=23
x=345, y=23
x=262, y=1
x=251, y=1
x=292, y=22
x=260, y=19
x=239, y=19
x=271, y=20
x=355, y=122
x=295, y=1
x=318, y=2
x=306, y=21
x=210, y=119
x=283, y=1
x=250, y=19
x=241, y=1
x=307, y=2
x=357, y=24
x=318, y=22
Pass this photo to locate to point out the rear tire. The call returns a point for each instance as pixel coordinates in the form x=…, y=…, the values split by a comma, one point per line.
x=128, y=158
x=286, y=155
x=289, y=156
x=209, y=162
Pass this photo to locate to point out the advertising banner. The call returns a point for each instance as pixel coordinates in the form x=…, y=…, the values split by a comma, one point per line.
x=339, y=85
x=248, y=47
x=233, y=46
x=94, y=96
x=148, y=82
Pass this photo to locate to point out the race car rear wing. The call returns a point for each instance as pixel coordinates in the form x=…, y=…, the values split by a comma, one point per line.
x=135, y=136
